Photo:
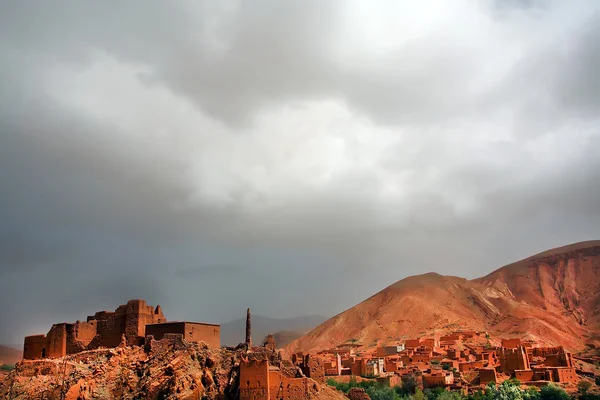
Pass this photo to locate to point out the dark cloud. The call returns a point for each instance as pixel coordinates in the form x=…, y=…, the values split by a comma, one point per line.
x=212, y=153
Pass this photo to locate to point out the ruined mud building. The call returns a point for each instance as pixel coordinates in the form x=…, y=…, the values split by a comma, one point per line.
x=264, y=375
x=127, y=325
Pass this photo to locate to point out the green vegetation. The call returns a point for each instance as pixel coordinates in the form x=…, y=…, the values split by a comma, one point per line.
x=553, y=392
x=7, y=367
x=508, y=390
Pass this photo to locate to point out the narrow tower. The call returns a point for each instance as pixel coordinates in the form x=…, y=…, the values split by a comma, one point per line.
x=248, y=330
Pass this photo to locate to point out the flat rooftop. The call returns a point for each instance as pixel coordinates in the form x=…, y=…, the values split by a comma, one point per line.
x=183, y=322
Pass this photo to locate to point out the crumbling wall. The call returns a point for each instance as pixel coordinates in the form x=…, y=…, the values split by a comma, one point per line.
x=56, y=341
x=34, y=347
x=254, y=380
x=80, y=335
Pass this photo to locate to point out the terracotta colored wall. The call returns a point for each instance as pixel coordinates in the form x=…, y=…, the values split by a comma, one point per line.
x=436, y=380
x=487, y=375
x=511, y=343
x=254, y=380
x=470, y=366
x=525, y=375
x=210, y=334
x=79, y=336
x=195, y=332
x=57, y=341
x=282, y=387
x=390, y=380
x=313, y=368
x=32, y=347
x=564, y=375
x=513, y=359
x=412, y=343
x=159, y=330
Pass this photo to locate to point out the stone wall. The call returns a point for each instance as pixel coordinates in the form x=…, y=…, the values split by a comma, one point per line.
x=191, y=331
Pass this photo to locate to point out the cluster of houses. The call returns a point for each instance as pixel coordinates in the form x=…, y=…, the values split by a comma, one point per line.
x=454, y=361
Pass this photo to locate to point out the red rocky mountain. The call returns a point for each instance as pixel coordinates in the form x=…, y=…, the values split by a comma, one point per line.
x=552, y=298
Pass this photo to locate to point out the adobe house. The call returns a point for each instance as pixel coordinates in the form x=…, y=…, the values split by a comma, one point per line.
x=487, y=375
x=108, y=329
x=259, y=380
x=513, y=359
x=441, y=379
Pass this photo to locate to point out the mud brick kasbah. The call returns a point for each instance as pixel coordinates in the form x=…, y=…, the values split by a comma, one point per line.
x=128, y=324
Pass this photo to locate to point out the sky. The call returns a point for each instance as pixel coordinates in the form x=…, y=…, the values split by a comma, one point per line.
x=293, y=157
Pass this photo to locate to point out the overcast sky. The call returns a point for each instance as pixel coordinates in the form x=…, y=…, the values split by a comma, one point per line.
x=293, y=157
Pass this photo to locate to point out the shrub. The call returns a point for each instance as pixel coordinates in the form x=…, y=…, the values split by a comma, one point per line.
x=379, y=392
x=7, y=367
x=434, y=393
x=553, y=392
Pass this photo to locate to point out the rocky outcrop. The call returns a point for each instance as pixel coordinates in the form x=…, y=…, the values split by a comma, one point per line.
x=358, y=394
x=171, y=368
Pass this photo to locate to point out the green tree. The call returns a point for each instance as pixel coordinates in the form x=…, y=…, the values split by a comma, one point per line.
x=505, y=391
x=379, y=392
x=434, y=393
x=409, y=383
x=531, y=393
x=553, y=392
x=450, y=396
x=418, y=395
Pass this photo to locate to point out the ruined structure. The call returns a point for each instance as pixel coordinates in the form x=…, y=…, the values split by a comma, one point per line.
x=248, y=330
x=270, y=343
x=191, y=331
x=260, y=380
x=124, y=326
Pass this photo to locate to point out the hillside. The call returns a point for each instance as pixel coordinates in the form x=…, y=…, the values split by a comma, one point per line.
x=552, y=297
x=8, y=355
x=232, y=333
x=166, y=369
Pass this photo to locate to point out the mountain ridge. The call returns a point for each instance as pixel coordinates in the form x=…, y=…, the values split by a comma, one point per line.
x=552, y=297
x=232, y=332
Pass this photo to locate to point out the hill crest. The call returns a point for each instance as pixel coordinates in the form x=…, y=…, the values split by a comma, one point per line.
x=552, y=297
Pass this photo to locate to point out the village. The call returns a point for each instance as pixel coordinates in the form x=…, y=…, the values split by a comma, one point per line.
x=461, y=361
x=453, y=362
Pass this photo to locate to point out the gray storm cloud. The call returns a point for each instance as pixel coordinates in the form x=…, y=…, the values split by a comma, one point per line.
x=211, y=156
